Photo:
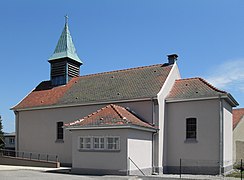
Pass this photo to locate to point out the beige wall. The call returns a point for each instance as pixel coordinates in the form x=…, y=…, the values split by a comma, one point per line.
x=174, y=74
x=106, y=160
x=207, y=145
x=227, y=134
x=238, y=141
x=36, y=129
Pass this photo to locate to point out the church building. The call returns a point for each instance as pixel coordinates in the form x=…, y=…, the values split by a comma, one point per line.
x=142, y=120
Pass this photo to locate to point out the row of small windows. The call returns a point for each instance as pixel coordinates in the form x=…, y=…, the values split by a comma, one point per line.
x=99, y=143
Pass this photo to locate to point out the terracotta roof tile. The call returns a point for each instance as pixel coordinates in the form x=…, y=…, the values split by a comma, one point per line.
x=111, y=115
x=193, y=88
x=238, y=114
x=134, y=83
x=44, y=94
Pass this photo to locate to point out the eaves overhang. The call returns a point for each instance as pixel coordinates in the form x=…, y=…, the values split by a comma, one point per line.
x=73, y=128
x=228, y=97
x=82, y=104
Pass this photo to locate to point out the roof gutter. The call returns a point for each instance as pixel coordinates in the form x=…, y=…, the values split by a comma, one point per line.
x=112, y=127
x=83, y=104
x=227, y=96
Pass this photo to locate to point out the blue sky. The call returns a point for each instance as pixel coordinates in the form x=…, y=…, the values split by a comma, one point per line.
x=208, y=36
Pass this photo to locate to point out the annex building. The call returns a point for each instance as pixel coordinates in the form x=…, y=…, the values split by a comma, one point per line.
x=145, y=119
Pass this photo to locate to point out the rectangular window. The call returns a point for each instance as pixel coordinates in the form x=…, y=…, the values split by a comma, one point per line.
x=85, y=142
x=191, y=128
x=98, y=142
x=11, y=140
x=113, y=143
x=60, y=131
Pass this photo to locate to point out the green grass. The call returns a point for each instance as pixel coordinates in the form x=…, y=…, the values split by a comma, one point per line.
x=236, y=174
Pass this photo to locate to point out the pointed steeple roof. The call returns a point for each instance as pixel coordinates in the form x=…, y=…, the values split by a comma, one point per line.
x=65, y=46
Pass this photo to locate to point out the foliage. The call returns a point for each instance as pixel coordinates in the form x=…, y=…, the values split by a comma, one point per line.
x=1, y=134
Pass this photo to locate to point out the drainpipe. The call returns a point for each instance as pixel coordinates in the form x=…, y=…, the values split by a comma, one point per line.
x=16, y=130
x=153, y=138
x=221, y=129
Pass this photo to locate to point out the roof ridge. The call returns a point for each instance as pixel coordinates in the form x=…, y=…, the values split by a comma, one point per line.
x=97, y=111
x=121, y=70
x=117, y=111
x=212, y=86
x=88, y=116
x=205, y=82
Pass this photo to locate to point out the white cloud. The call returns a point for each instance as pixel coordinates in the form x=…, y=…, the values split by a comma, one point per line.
x=228, y=76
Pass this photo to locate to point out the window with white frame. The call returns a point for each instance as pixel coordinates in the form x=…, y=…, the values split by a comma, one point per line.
x=85, y=142
x=113, y=143
x=110, y=143
x=98, y=143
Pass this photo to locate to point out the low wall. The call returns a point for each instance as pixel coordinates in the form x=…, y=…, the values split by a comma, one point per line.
x=15, y=161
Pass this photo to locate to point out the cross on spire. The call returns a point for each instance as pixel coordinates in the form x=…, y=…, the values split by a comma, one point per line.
x=66, y=19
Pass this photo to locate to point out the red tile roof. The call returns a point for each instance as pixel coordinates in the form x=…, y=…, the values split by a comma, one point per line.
x=111, y=115
x=193, y=88
x=44, y=94
x=238, y=114
x=133, y=83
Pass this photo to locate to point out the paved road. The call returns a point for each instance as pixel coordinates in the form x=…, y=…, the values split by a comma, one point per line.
x=32, y=173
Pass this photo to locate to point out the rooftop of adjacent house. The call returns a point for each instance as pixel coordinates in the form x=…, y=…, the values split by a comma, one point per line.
x=194, y=88
x=110, y=116
x=238, y=114
x=128, y=84
x=9, y=134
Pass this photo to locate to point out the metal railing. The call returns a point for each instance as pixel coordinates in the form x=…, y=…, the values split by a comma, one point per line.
x=137, y=166
x=29, y=155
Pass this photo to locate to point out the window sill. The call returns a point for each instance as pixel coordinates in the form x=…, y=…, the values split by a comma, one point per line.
x=191, y=141
x=59, y=141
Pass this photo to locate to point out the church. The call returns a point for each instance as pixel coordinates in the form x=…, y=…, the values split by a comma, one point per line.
x=142, y=120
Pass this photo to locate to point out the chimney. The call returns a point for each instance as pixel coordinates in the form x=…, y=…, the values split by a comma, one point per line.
x=172, y=58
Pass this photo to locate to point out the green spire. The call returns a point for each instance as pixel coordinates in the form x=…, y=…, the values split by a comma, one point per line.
x=65, y=47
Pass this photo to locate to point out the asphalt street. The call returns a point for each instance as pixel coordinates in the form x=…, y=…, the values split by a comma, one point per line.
x=33, y=173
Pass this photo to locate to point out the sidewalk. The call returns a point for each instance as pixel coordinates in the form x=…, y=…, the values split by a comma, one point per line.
x=15, y=168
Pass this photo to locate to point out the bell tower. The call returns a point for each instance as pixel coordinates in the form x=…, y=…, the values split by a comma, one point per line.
x=65, y=63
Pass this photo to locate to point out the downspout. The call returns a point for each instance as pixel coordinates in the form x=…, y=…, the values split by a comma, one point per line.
x=221, y=128
x=153, y=139
x=16, y=130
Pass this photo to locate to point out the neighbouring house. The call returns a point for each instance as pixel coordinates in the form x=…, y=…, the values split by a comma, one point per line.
x=9, y=141
x=238, y=134
x=138, y=120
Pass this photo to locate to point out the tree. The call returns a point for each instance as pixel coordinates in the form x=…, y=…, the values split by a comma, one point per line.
x=1, y=134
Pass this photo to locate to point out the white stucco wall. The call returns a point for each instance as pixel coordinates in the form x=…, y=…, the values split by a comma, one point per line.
x=140, y=150
x=107, y=160
x=227, y=134
x=207, y=146
x=174, y=74
x=135, y=144
x=36, y=129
